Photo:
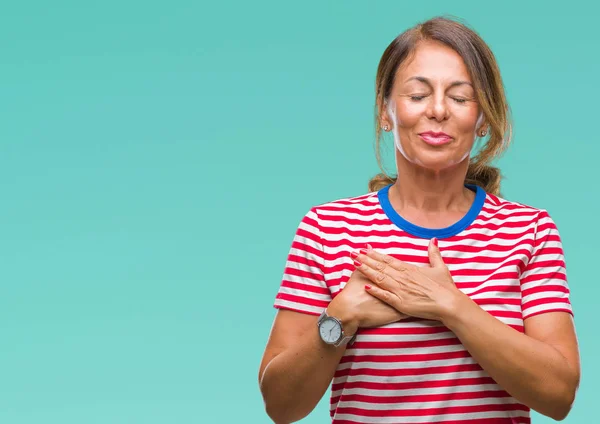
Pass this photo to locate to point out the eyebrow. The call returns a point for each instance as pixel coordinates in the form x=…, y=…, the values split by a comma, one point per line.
x=426, y=81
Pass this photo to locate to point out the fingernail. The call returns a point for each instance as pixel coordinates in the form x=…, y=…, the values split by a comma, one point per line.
x=363, y=251
x=369, y=247
x=435, y=242
x=367, y=287
x=353, y=255
x=356, y=263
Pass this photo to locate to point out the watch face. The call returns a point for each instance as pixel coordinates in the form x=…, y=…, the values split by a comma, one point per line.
x=330, y=330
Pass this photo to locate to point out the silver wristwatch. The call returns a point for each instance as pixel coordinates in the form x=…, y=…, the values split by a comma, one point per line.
x=331, y=331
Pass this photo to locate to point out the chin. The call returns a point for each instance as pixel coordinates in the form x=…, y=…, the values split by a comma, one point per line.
x=437, y=160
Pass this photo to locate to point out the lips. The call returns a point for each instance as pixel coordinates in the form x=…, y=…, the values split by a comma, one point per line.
x=435, y=139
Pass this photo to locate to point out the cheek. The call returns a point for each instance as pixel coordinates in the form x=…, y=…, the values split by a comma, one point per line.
x=408, y=113
x=467, y=119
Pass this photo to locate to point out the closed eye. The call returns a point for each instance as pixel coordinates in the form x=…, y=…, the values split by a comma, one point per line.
x=417, y=98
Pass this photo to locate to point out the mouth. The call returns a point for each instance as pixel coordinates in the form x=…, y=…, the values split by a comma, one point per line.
x=435, y=138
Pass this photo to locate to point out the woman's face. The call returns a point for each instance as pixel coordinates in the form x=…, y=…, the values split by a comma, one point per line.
x=432, y=109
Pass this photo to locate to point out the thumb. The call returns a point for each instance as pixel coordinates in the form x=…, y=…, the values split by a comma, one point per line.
x=435, y=257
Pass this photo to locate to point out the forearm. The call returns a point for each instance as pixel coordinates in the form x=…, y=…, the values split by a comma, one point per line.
x=533, y=372
x=296, y=379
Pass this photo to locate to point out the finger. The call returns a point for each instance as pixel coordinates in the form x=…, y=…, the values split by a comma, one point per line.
x=383, y=260
x=385, y=296
x=435, y=257
x=363, y=257
x=377, y=276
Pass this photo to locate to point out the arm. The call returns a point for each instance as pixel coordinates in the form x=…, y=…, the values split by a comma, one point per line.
x=539, y=368
x=297, y=367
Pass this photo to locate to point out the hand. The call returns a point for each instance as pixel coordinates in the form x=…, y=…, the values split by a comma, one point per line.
x=358, y=309
x=426, y=292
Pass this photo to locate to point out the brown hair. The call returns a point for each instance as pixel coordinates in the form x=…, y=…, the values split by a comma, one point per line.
x=489, y=91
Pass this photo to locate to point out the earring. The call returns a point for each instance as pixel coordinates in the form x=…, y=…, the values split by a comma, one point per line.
x=483, y=133
x=385, y=127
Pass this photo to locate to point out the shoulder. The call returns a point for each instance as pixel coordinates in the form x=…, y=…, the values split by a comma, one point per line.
x=499, y=207
x=343, y=212
x=360, y=206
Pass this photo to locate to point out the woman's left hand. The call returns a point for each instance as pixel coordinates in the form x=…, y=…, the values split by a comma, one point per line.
x=426, y=292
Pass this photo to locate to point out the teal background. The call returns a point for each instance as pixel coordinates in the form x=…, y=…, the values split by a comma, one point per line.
x=157, y=157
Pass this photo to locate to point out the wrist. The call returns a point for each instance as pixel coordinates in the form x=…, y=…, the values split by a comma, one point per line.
x=455, y=309
x=349, y=321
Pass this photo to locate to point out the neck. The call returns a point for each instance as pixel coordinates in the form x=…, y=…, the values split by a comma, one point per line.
x=430, y=191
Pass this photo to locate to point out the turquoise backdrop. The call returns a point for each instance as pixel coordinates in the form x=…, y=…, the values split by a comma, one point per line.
x=156, y=158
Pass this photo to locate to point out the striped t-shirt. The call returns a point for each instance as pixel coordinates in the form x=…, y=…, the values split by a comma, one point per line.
x=504, y=255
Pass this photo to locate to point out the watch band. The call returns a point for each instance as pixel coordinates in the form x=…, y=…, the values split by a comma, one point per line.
x=345, y=340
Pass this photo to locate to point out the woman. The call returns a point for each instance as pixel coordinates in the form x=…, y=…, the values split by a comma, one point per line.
x=431, y=298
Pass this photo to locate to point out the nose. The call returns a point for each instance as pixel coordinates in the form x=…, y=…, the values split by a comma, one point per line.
x=437, y=108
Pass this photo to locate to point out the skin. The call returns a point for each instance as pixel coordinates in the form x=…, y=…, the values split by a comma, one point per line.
x=432, y=92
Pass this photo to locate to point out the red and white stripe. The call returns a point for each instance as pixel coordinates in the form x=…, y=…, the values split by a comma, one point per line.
x=509, y=260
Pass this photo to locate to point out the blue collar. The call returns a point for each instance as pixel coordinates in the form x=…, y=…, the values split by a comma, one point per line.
x=429, y=233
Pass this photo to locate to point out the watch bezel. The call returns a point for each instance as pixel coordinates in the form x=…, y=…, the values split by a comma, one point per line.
x=338, y=323
x=343, y=337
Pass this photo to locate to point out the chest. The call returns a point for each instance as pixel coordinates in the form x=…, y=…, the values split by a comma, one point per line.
x=485, y=268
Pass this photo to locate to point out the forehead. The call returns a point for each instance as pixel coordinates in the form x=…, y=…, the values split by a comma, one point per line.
x=435, y=61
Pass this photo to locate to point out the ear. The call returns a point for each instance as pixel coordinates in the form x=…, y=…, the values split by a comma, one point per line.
x=384, y=118
x=481, y=125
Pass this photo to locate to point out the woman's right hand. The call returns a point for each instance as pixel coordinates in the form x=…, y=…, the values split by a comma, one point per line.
x=358, y=309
